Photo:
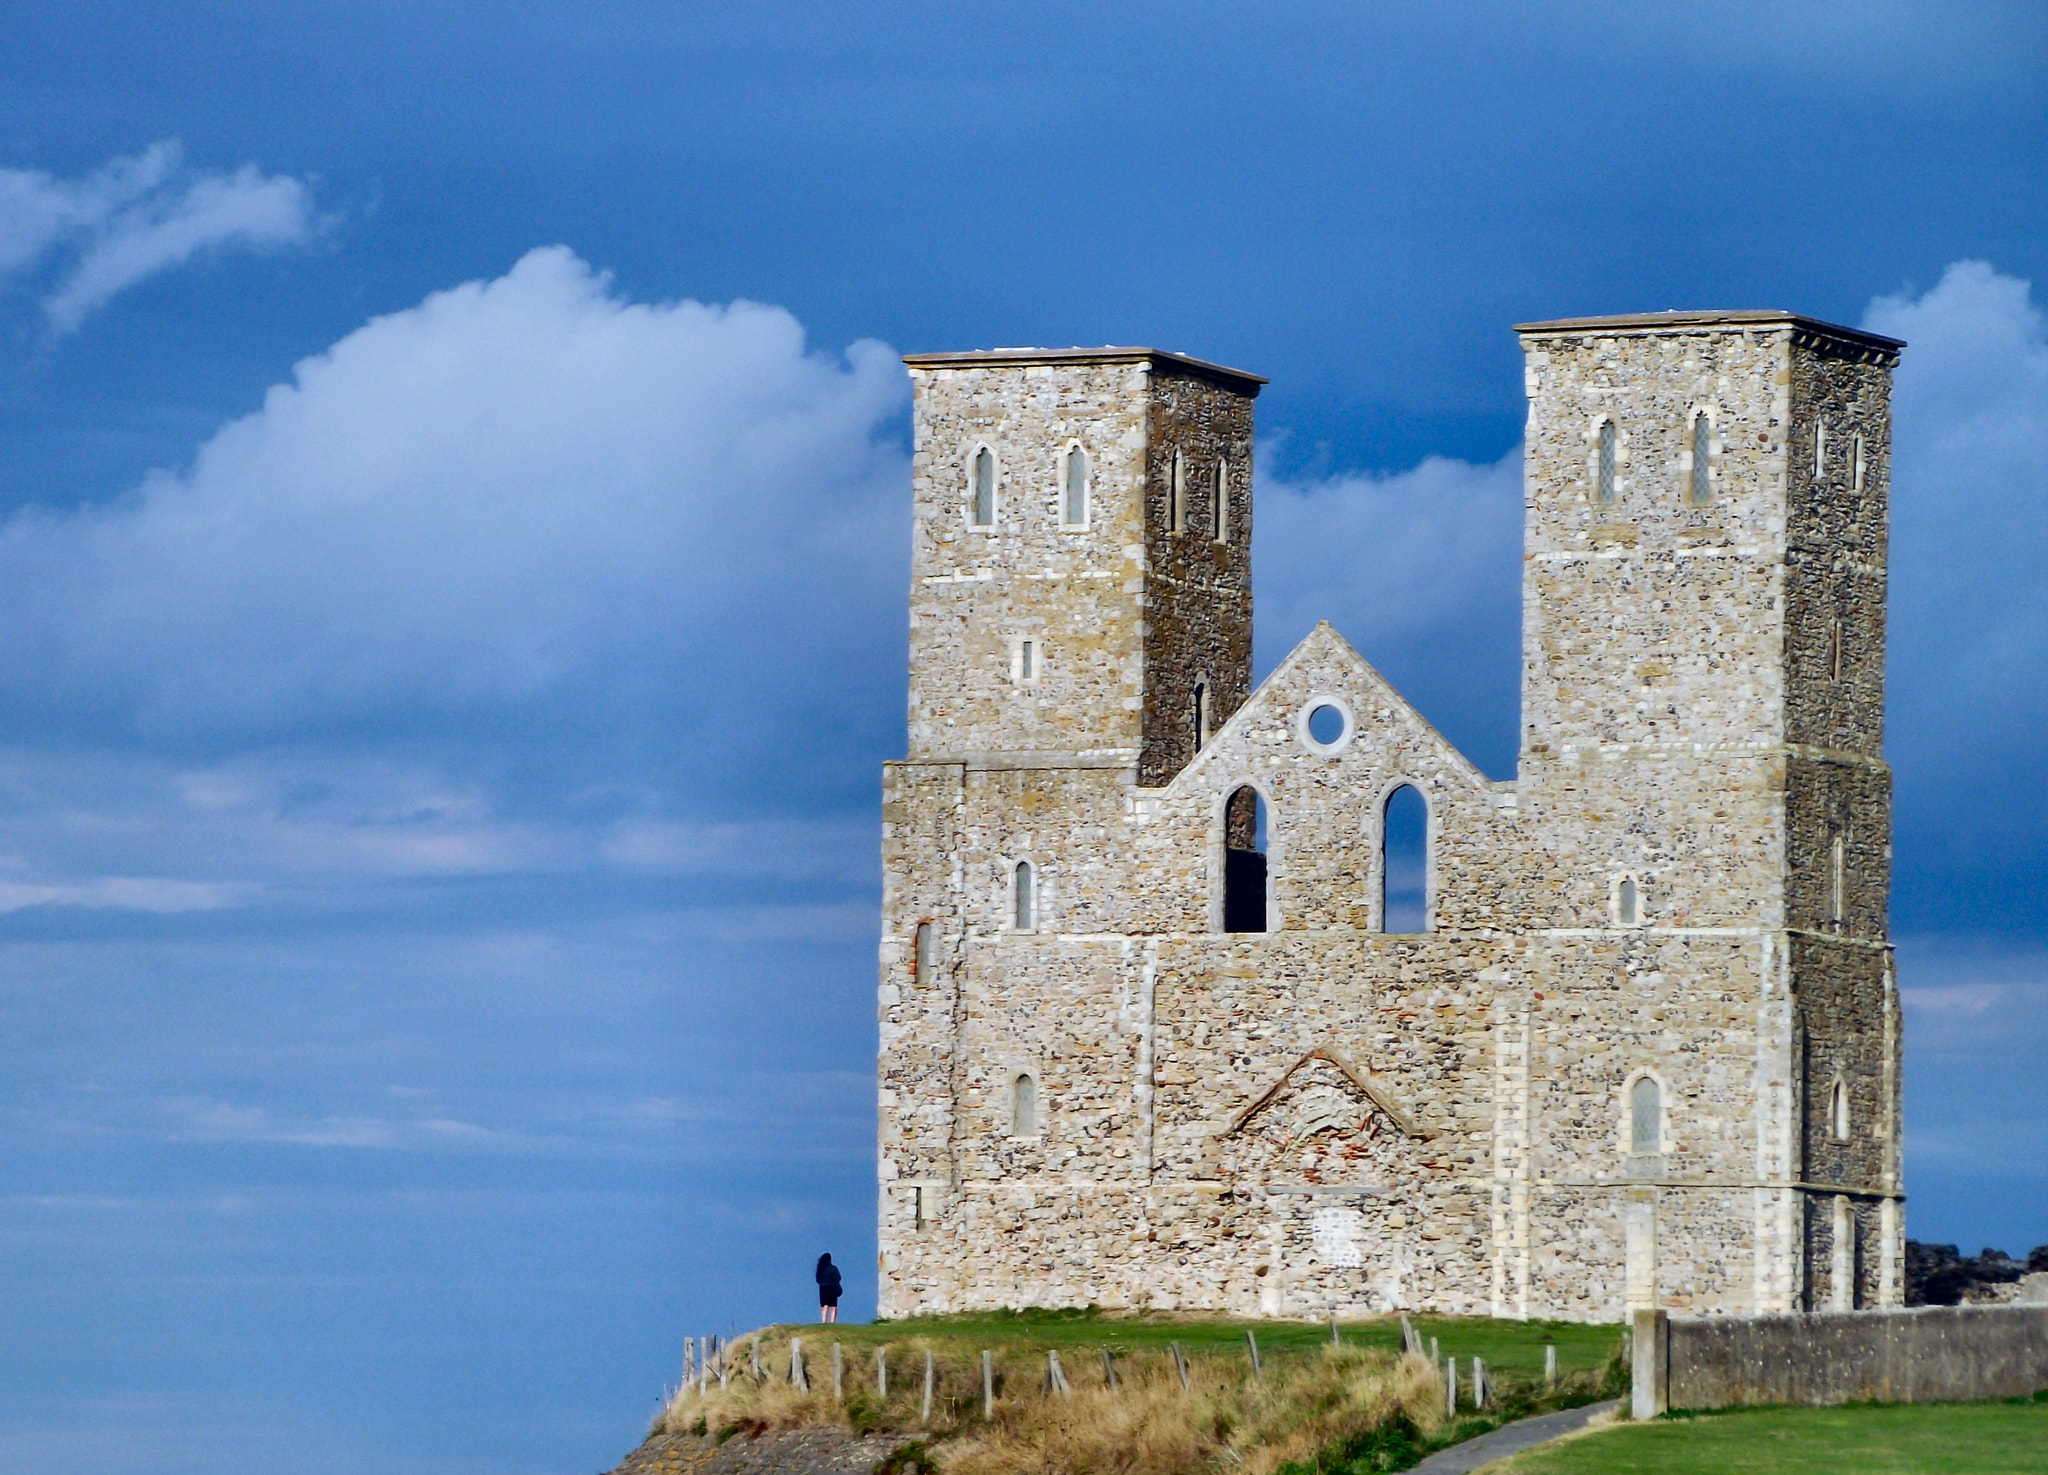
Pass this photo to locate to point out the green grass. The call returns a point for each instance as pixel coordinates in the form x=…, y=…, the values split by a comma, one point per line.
x=1510, y=1349
x=2006, y=1438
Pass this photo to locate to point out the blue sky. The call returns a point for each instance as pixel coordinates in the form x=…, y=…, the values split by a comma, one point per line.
x=451, y=586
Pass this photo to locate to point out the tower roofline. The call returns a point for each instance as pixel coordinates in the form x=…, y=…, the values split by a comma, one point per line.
x=1247, y=384
x=1653, y=322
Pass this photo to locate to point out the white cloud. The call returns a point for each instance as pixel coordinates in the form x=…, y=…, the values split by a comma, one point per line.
x=1389, y=559
x=524, y=488
x=1969, y=609
x=136, y=217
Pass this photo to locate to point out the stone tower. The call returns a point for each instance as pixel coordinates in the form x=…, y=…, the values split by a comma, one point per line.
x=1702, y=769
x=1080, y=577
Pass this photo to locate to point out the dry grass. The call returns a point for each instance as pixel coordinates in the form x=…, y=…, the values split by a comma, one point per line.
x=1148, y=1425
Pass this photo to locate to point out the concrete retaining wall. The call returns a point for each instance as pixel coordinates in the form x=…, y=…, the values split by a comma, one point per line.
x=1922, y=1355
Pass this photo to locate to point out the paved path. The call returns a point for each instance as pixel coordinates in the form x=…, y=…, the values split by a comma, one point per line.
x=1512, y=1439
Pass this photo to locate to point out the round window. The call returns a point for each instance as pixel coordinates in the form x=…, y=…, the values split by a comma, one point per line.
x=1325, y=725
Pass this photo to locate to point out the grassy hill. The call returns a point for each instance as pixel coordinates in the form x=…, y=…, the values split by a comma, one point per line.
x=1174, y=1393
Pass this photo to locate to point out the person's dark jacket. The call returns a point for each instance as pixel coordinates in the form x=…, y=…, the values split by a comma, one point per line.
x=828, y=1278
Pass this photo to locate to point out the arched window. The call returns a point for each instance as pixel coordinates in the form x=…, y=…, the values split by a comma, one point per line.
x=1024, y=882
x=1820, y=449
x=1701, y=493
x=1837, y=859
x=1628, y=902
x=1604, y=493
x=1077, y=486
x=1201, y=715
x=1838, y=1111
x=1856, y=463
x=1244, y=862
x=1177, y=495
x=984, y=489
x=1024, y=1106
x=1645, y=1117
x=921, y=954
x=1404, y=862
x=1220, y=514
x=1835, y=651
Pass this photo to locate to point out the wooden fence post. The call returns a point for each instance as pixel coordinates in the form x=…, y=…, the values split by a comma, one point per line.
x=1251, y=1339
x=1055, y=1376
x=882, y=1371
x=1451, y=1387
x=988, y=1384
x=797, y=1379
x=927, y=1415
x=1550, y=1365
x=1109, y=1379
x=838, y=1372
x=1180, y=1364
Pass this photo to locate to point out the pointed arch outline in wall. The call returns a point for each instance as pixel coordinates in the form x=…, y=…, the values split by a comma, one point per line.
x=1219, y=514
x=1696, y=460
x=1075, y=470
x=1242, y=862
x=984, y=478
x=1203, y=716
x=1625, y=907
x=1308, y=720
x=1379, y=1095
x=1027, y=901
x=1405, y=860
x=1177, y=494
x=1838, y=1110
x=1606, y=461
x=1820, y=447
x=1645, y=1114
x=1858, y=465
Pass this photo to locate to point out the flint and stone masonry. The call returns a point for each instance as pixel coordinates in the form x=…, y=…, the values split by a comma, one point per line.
x=1645, y=1054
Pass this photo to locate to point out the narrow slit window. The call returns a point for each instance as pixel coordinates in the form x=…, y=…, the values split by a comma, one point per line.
x=1404, y=862
x=1628, y=904
x=1838, y=1111
x=1645, y=1110
x=1837, y=860
x=1027, y=660
x=1702, y=489
x=1177, y=494
x=1201, y=715
x=1605, y=492
x=921, y=953
x=984, y=498
x=1244, y=862
x=1820, y=449
x=1220, y=514
x=1835, y=650
x=1856, y=463
x=1077, y=487
x=1025, y=885
x=1024, y=1107
x=917, y=1207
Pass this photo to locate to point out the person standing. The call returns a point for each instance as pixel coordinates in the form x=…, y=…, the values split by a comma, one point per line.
x=828, y=1289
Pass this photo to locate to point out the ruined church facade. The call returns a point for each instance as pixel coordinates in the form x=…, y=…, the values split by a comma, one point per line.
x=1147, y=1039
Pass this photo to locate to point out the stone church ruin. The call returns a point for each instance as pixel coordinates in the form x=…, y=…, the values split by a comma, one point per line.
x=1162, y=1024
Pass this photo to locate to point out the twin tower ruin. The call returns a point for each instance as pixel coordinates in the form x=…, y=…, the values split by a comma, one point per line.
x=1157, y=1028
